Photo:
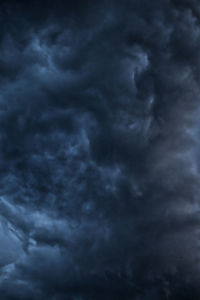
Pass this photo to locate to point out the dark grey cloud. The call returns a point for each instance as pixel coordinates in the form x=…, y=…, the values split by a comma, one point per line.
x=99, y=152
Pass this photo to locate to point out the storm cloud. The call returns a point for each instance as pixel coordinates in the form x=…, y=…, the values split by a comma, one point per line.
x=99, y=150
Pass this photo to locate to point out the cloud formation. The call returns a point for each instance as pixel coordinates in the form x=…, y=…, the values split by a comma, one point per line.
x=99, y=152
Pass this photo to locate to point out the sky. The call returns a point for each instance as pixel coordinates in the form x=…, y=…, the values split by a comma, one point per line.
x=100, y=150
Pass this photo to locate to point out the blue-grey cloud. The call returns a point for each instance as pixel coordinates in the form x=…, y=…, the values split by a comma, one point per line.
x=99, y=150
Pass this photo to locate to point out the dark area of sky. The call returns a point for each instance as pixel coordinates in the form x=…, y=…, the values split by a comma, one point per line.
x=100, y=150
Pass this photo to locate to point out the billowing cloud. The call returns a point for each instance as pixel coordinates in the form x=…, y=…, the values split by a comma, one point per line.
x=99, y=150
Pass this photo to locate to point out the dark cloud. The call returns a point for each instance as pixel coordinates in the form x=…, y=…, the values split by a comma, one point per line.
x=99, y=152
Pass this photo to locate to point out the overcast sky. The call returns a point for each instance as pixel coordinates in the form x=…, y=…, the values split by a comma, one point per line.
x=100, y=150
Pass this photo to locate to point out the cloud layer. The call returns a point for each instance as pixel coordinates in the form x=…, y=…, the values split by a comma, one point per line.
x=99, y=150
